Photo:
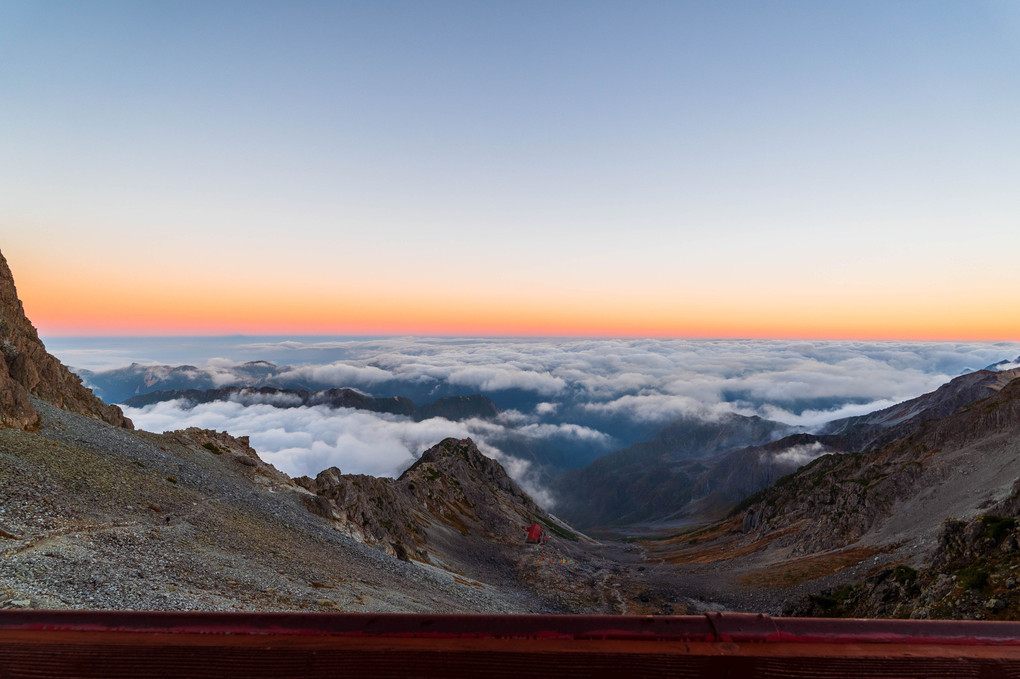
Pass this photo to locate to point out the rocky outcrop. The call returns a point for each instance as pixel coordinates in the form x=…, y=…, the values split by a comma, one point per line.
x=370, y=509
x=452, y=493
x=235, y=448
x=972, y=574
x=28, y=369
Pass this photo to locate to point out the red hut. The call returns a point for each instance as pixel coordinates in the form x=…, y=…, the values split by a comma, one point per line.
x=534, y=533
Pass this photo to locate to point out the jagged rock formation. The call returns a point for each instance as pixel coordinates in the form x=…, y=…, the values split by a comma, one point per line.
x=452, y=491
x=451, y=408
x=27, y=369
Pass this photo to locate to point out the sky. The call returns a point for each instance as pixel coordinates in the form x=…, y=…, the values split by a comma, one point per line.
x=588, y=169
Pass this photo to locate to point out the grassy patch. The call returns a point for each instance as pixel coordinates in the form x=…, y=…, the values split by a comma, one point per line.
x=212, y=448
x=974, y=576
x=558, y=530
x=904, y=575
x=832, y=603
x=805, y=569
x=996, y=527
x=722, y=548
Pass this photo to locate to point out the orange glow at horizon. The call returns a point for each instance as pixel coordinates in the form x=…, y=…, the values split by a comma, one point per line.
x=96, y=308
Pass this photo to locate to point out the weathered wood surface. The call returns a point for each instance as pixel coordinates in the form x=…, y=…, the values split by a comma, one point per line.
x=37, y=644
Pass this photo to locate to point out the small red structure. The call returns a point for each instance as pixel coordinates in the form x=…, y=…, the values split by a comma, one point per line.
x=534, y=533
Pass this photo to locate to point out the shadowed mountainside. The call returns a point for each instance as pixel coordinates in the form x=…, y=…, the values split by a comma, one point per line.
x=694, y=472
x=869, y=431
x=931, y=515
x=839, y=498
x=655, y=479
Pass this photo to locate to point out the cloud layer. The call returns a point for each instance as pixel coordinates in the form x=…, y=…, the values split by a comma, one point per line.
x=575, y=399
x=306, y=440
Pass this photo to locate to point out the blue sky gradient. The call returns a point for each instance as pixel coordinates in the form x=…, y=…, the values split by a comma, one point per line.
x=656, y=165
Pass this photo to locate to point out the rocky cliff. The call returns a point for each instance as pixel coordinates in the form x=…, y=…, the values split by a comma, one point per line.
x=971, y=575
x=27, y=369
x=452, y=492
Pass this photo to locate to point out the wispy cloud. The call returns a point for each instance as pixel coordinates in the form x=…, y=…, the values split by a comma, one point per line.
x=798, y=456
x=814, y=418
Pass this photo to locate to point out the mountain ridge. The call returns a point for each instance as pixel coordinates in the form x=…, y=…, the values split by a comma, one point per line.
x=694, y=472
x=655, y=479
x=450, y=407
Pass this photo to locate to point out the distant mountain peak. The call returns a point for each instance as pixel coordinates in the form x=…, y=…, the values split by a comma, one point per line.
x=1005, y=364
x=28, y=369
x=454, y=408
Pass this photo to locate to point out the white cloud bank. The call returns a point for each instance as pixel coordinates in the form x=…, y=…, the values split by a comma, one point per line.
x=305, y=440
x=576, y=392
x=602, y=372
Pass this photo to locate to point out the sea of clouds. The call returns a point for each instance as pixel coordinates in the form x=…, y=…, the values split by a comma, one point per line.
x=576, y=398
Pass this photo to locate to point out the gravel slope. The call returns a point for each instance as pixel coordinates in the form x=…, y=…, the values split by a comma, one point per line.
x=94, y=516
x=83, y=514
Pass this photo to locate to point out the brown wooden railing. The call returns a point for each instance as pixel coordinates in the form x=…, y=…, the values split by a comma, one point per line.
x=37, y=644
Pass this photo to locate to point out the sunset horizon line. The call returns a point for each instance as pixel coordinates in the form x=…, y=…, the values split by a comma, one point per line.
x=297, y=334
